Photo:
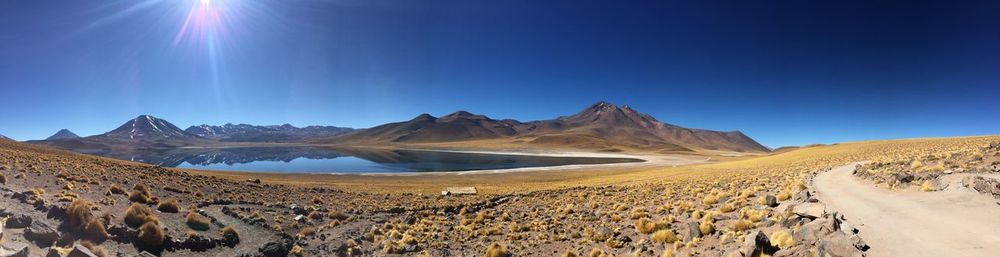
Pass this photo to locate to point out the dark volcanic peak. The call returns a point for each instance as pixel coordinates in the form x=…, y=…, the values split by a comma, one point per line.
x=607, y=114
x=63, y=134
x=148, y=127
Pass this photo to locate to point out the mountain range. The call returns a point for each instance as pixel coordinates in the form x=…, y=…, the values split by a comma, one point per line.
x=599, y=127
x=602, y=126
x=251, y=133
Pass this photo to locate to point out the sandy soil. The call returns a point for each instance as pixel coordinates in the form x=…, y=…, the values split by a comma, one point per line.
x=953, y=222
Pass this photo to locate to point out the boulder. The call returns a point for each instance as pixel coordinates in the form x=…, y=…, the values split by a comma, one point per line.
x=14, y=249
x=771, y=201
x=693, y=231
x=275, y=249
x=80, y=251
x=809, y=210
x=19, y=221
x=41, y=233
x=757, y=244
x=837, y=246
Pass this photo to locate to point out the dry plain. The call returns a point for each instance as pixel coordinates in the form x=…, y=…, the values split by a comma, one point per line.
x=57, y=202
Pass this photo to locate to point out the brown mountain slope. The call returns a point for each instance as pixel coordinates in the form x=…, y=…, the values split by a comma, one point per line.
x=602, y=126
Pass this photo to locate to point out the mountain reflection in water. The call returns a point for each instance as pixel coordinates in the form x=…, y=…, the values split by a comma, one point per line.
x=341, y=160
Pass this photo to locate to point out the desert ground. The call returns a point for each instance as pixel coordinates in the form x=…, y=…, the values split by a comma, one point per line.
x=801, y=202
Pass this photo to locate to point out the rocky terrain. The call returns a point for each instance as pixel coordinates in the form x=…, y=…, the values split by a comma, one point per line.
x=60, y=202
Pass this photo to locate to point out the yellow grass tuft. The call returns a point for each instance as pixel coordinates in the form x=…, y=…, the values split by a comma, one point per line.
x=497, y=250
x=664, y=236
x=169, y=205
x=197, y=221
x=782, y=239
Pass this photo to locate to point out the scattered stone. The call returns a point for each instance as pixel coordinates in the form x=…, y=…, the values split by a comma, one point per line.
x=693, y=231
x=80, y=251
x=809, y=210
x=275, y=249
x=757, y=244
x=771, y=201
x=14, y=249
x=837, y=246
x=146, y=254
x=41, y=233
x=19, y=221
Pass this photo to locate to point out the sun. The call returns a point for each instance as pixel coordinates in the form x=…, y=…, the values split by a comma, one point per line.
x=206, y=2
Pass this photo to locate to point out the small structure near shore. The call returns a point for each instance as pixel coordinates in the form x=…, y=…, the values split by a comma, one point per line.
x=459, y=191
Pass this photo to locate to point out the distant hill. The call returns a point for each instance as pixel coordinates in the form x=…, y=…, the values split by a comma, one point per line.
x=602, y=126
x=63, y=134
x=251, y=133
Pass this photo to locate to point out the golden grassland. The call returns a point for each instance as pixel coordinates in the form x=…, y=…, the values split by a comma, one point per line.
x=784, y=164
x=600, y=212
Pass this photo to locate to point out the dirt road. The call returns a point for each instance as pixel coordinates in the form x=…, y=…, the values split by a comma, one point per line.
x=953, y=222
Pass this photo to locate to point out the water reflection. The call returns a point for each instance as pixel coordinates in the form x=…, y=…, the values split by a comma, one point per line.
x=322, y=159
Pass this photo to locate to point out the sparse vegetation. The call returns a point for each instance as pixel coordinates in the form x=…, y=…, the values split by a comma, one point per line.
x=169, y=205
x=137, y=215
x=197, y=221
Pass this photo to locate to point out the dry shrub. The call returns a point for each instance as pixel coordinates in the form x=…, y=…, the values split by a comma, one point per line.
x=140, y=194
x=741, y=225
x=96, y=230
x=710, y=199
x=497, y=250
x=339, y=215
x=79, y=214
x=137, y=215
x=784, y=196
x=646, y=226
x=150, y=234
x=97, y=250
x=569, y=253
x=3, y=179
x=706, y=227
x=307, y=232
x=115, y=189
x=665, y=236
x=197, y=221
x=230, y=233
x=169, y=205
x=782, y=239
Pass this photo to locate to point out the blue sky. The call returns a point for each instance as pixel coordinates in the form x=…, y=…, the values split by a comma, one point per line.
x=784, y=72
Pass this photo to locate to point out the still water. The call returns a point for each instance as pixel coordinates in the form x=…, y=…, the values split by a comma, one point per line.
x=342, y=160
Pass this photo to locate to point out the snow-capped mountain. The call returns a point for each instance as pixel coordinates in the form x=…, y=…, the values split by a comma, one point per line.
x=148, y=127
x=273, y=133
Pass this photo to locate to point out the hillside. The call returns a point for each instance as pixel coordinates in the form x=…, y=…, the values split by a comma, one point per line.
x=602, y=126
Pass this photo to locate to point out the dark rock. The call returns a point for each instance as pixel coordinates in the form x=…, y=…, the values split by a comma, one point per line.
x=837, y=245
x=903, y=177
x=771, y=201
x=276, y=249
x=41, y=233
x=19, y=221
x=757, y=244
